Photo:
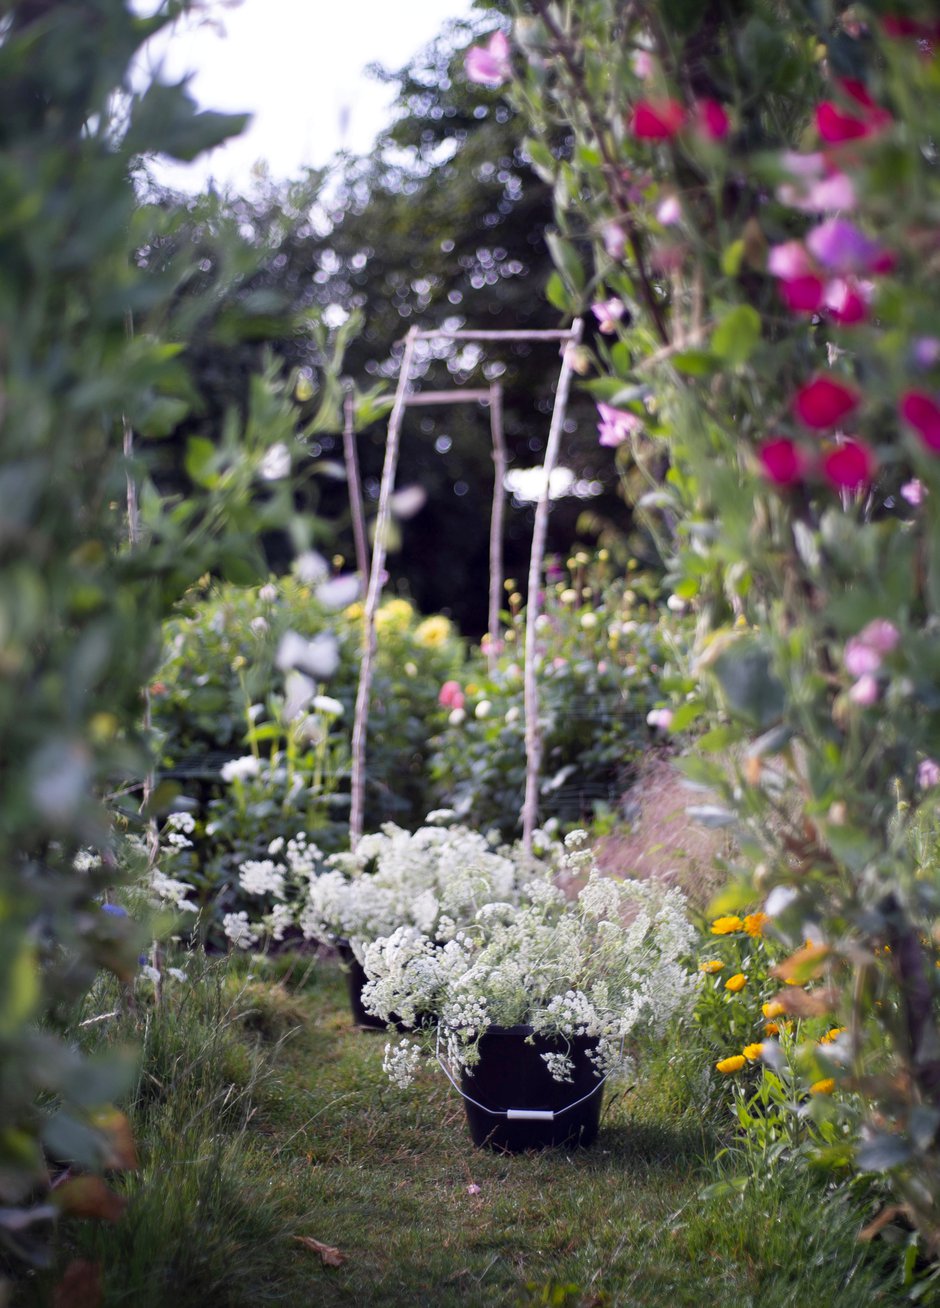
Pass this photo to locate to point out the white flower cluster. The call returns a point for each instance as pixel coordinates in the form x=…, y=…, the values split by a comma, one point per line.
x=238, y=929
x=240, y=769
x=171, y=891
x=609, y=966
x=285, y=881
x=401, y=1061
x=435, y=879
x=261, y=877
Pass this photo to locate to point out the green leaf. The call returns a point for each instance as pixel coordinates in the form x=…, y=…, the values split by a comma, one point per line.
x=731, y=258
x=20, y=992
x=566, y=261
x=737, y=335
x=694, y=363
x=543, y=161
x=685, y=715
x=200, y=461
x=166, y=121
x=750, y=689
x=556, y=294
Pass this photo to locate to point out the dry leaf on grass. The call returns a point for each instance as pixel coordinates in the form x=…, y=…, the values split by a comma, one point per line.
x=331, y=1257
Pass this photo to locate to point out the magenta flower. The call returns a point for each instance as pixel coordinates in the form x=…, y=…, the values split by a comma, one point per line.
x=616, y=425
x=782, y=462
x=835, y=127
x=849, y=467
x=802, y=294
x=840, y=247
x=928, y=773
x=865, y=691
x=656, y=120
x=923, y=413
x=846, y=300
x=824, y=402
x=608, y=313
x=490, y=64
x=712, y=119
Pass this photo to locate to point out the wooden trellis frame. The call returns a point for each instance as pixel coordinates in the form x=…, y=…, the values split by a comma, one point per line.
x=404, y=398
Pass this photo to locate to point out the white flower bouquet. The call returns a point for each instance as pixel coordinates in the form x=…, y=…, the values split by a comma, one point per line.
x=434, y=881
x=609, y=966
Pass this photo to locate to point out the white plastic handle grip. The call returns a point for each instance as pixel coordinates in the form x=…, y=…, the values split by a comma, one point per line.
x=529, y=1115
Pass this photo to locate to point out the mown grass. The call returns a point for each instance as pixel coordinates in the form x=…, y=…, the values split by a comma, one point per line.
x=262, y=1116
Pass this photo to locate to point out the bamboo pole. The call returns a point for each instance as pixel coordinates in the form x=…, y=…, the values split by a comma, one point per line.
x=497, y=518
x=360, y=721
x=354, y=482
x=544, y=334
x=447, y=397
x=533, y=734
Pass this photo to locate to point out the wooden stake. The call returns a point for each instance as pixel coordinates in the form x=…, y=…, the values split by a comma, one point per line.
x=533, y=734
x=496, y=522
x=356, y=510
x=360, y=721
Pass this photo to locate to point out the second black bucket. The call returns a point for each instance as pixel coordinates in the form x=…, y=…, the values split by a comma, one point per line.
x=355, y=980
x=513, y=1078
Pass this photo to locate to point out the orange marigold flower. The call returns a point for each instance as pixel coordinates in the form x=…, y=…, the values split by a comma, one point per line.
x=754, y=923
x=753, y=1052
x=823, y=1087
x=732, y=1064
x=713, y=965
x=836, y=1031
x=773, y=1008
x=724, y=926
x=771, y=1028
x=736, y=982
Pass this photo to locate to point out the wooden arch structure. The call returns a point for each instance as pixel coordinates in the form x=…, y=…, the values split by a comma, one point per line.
x=407, y=397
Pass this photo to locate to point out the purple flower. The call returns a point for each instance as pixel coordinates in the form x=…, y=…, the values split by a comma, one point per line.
x=840, y=247
x=926, y=351
x=616, y=425
x=928, y=773
x=913, y=492
x=489, y=64
x=615, y=241
x=608, y=313
x=115, y=910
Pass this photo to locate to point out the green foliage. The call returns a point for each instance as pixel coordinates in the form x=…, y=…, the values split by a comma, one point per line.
x=822, y=747
x=83, y=377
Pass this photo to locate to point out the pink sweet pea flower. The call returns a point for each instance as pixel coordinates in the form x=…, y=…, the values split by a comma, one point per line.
x=824, y=402
x=615, y=241
x=616, y=425
x=712, y=119
x=669, y=211
x=802, y=294
x=913, y=491
x=926, y=351
x=782, y=462
x=656, y=120
x=928, y=773
x=789, y=260
x=835, y=127
x=660, y=718
x=846, y=300
x=923, y=413
x=860, y=659
x=820, y=195
x=490, y=64
x=608, y=313
x=849, y=466
x=865, y=691
x=881, y=635
x=873, y=114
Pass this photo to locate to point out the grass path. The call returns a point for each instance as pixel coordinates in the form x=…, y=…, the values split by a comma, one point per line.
x=240, y=1167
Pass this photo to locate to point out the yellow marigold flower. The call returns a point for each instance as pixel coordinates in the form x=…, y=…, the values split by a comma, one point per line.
x=713, y=965
x=836, y=1031
x=823, y=1087
x=723, y=926
x=773, y=1008
x=736, y=982
x=771, y=1028
x=732, y=1064
x=354, y=612
x=433, y=632
x=753, y=1052
x=754, y=923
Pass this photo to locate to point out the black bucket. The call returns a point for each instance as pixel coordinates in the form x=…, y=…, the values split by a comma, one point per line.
x=355, y=979
x=512, y=1077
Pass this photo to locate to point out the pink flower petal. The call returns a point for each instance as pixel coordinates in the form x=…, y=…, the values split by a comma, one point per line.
x=834, y=126
x=490, y=64
x=849, y=467
x=656, y=120
x=923, y=413
x=846, y=301
x=802, y=294
x=865, y=691
x=789, y=260
x=782, y=461
x=712, y=119
x=824, y=402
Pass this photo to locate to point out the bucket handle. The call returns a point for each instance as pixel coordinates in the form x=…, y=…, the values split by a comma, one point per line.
x=515, y=1114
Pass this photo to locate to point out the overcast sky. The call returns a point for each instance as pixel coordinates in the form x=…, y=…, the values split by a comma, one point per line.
x=298, y=66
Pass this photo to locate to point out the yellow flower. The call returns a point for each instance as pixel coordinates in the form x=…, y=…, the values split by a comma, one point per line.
x=753, y=1052
x=773, y=1008
x=433, y=632
x=713, y=965
x=823, y=1087
x=354, y=612
x=771, y=1028
x=836, y=1031
x=736, y=982
x=732, y=1064
x=394, y=616
x=754, y=923
x=723, y=926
